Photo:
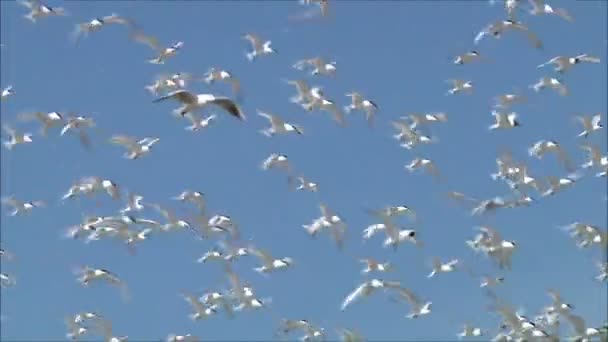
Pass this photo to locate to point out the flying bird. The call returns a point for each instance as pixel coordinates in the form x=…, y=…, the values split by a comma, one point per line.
x=277, y=125
x=192, y=102
x=259, y=47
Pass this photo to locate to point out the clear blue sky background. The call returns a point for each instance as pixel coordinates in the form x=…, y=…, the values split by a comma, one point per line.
x=398, y=54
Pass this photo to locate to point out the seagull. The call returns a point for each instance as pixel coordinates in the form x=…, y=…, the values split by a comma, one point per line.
x=427, y=164
x=541, y=147
x=193, y=102
x=498, y=28
x=391, y=211
x=88, y=274
x=48, y=120
x=172, y=221
x=6, y=92
x=590, y=124
x=6, y=255
x=394, y=235
x=578, y=325
x=439, y=267
x=259, y=47
x=269, y=263
x=321, y=67
x=164, y=53
x=372, y=265
x=491, y=282
x=15, y=138
x=200, y=310
x=507, y=100
x=75, y=330
x=84, y=29
x=410, y=137
x=494, y=245
x=467, y=57
x=556, y=184
x=7, y=280
x=182, y=338
x=504, y=120
x=134, y=204
x=79, y=123
x=40, y=10
x=215, y=74
x=564, y=63
x=469, y=331
x=460, y=86
x=168, y=82
x=197, y=123
x=195, y=197
x=552, y=83
x=135, y=149
x=304, y=184
x=303, y=89
x=365, y=289
x=323, y=5
x=21, y=207
x=99, y=184
x=278, y=126
x=480, y=206
x=334, y=222
x=540, y=7
x=595, y=159
x=420, y=119
x=359, y=103
x=417, y=307
x=276, y=160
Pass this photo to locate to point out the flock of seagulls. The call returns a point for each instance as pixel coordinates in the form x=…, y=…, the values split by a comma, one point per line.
x=132, y=226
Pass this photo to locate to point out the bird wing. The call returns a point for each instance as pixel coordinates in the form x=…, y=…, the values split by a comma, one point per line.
x=140, y=36
x=266, y=257
x=124, y=140
x=181, y=95
x=354, y=295
x=116, y=19
x=230, y=106
x=409, y=296
x=325, y=211
x=274, y=120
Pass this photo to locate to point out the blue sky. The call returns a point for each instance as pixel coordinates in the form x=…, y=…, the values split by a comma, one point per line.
x=396, y=53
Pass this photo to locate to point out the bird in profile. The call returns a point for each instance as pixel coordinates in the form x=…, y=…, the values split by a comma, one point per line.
x=565, y=63
x=259, y=47
x=21, y=207
x=7, y=92
x=95, y=24
x=467, y=58
x=215, y=74
x=79, y=123
x=278, y=126
x=40, y=10
x=165, y=53
x=504, y=120
x=590, y=124
x=359, y=103
x=192, y=102
x=15, y=138
x=319, y=66
x=550, y=82
x=459, y=86
x=498, y=28
x=135, y=148
x=48, y=120
x=539, y=7
x=197, y=123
